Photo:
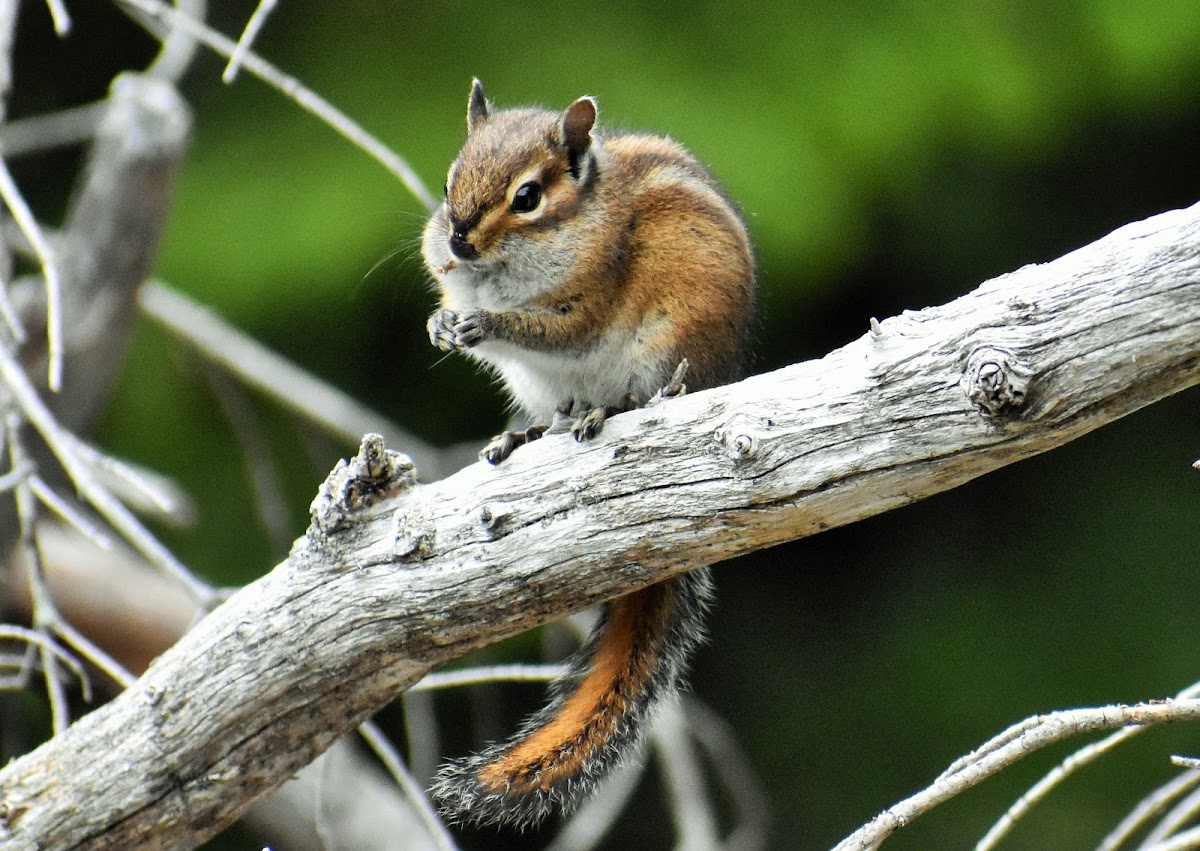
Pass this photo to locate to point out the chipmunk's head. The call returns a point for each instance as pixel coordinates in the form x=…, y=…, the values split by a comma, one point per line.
x=521, y=174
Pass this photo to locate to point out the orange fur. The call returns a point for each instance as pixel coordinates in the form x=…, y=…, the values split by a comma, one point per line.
x=617, y=674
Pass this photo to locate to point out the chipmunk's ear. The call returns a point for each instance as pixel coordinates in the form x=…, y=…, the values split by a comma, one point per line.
x=576, y=134
x=478, y=108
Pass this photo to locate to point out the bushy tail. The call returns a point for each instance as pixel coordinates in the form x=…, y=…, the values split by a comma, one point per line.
x=635, y=658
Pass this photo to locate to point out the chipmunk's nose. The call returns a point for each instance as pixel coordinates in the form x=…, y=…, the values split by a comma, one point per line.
x=460, y=246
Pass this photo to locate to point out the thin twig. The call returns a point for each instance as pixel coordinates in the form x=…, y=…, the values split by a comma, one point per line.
x=61, y=443
x=8, y=30
x=86, y=648
x=687, y=792
x=490, y=674
x=12, y=478
x=1173, y=820
x=297, y=91
x=253, y=27
x=1059, y=773
x=383, y=749
x=1037, y=732
x=20, y=210
x=19, y=662
x=8, y=311
x=68, y=512
x=1043, y=787
x=41, y=602
x=37, y=639
x=726, y=757
x=1181, y=841
x=276, y=377
x=178, y=47
x=421, y=735
x=43, y=611
x=264, y=479
x=1147, y=808
x=592, y=822
x=147, y=490
x=49, y=262
x=71, y=126
x=1184, y=841
x=990, y=746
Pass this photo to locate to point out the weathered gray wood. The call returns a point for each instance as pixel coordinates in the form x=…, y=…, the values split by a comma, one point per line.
x=110, y=240
x=376, y=594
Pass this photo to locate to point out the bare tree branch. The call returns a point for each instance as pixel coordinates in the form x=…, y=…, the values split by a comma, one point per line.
x=253, y=27
x=393, y=578
x=343, y=799
x=1146, y=809
x=1012, y=745
x=268, y=372
x=158, y=11
x=1064, y=769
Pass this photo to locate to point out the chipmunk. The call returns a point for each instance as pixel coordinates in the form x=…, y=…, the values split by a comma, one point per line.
x=583, y=268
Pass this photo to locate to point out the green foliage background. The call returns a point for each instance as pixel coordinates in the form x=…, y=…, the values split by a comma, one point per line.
x=887, y=155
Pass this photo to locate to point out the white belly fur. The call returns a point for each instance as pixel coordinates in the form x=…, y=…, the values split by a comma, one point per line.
x=541, y=382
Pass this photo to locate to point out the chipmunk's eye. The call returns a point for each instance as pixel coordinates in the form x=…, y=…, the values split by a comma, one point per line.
x=527, y=198
x=445, y=190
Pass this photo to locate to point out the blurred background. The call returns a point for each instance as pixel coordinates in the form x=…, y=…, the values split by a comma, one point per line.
x=887, y=155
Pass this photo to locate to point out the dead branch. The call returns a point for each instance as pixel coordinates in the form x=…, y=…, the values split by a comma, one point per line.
x=393, y=578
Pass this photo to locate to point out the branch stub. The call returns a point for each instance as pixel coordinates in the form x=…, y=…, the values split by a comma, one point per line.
x=996, y=381
x=374, y=474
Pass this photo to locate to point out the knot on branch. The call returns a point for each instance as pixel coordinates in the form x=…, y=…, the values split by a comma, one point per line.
x=741, y=444
x=374, y=474
x=996, y=380
x=741, y=437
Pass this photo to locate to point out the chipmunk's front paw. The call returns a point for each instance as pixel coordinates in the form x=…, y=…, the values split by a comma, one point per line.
x=472, y=328
x=441, y=329
x=455, y=331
